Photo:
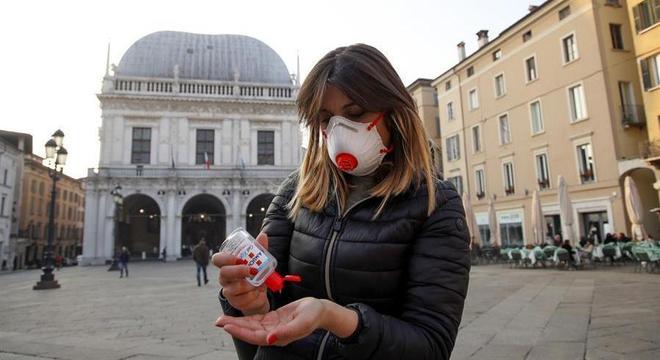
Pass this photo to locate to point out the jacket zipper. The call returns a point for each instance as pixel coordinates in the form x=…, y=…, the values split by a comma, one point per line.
x=336, y=229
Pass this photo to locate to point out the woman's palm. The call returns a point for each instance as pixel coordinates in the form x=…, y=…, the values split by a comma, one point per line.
x=286, y=324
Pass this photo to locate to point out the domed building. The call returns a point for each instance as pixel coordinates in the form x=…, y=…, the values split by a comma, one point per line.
x=197, y=133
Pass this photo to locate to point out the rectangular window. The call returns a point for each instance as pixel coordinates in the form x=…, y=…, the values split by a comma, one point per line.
x=646, y=14
x=650, y=71
x=536, y=117
x=435, y=98
x=612, y=3
x=578, y=103
x=4, y=180
x=476, y=139
x=563, y=13
x=569, y=48
x=530, y=69
x=458, y=183
x=473, y=99
x=585, y=162
x=505, y=132
x=448, y=85
x=500, y=87
x=141, y=146
x=437, y=125
x=542, y=171
x=2, y=205
x=497, y=54
x=527, y=36
x=509, y=184
x=450, y=111
x=480, y=182
x=265, y=148
x=617, y=38
x=204, y=146
x=470, y=71
x=511, y=234
x=453, y=151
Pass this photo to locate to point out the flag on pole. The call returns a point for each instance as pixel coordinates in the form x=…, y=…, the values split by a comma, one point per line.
x=172, y=152
x=206, y=160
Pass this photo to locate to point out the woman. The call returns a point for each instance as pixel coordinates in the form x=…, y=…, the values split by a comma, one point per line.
x=384, y=265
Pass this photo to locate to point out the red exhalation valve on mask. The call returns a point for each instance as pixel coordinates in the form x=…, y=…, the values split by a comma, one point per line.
x=346, y=162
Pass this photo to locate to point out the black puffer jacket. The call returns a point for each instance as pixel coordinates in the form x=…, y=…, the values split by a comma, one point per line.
x=405, y=273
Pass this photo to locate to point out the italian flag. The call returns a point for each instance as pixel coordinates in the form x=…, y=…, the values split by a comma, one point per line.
x=206, y=160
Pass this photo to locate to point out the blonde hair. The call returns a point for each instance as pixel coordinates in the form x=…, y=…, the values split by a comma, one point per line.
x=368, y=79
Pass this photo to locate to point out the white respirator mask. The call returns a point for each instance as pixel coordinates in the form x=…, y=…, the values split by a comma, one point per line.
x=355, y=148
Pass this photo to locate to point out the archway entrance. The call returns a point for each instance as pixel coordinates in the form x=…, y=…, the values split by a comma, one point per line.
x=644, y=179
x=139, y=226
x=203, y=218
x=256, y=212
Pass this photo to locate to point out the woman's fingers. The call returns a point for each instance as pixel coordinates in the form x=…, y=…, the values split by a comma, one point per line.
x=255, y=337
x=223, y=258
x=232, y=273
x=287, y=332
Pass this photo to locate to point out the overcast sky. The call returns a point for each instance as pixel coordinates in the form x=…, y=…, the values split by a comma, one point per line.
x=54, y=52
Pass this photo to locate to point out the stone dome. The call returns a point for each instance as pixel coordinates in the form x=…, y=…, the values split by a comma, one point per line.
x=203, y=57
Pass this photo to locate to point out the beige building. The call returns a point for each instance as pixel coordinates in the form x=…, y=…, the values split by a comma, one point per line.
x=644, y=16
x=426, y=99
x=35, y=207
x=556, y=93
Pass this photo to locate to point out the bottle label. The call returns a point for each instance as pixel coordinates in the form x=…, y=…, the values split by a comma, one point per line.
x=255, y=257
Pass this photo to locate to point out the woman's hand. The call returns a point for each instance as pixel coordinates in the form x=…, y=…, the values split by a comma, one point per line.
x=291, y=322
x=240, y=293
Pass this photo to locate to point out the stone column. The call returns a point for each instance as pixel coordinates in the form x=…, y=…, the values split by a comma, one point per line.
x=89, y=238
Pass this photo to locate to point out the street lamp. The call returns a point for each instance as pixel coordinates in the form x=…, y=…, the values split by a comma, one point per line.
x=119, y=200
x=55, y=152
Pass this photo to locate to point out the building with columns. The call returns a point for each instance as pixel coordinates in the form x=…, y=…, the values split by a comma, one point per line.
x=197, y=133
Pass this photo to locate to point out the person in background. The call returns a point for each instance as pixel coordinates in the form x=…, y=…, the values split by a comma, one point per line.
x=201, y=258
x=124, y=256
x=164, y=254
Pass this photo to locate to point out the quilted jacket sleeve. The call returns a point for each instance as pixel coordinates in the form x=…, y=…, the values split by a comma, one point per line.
x=278, y=227
x=436, y=288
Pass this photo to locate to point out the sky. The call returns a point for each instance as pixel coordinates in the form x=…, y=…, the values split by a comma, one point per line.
x=53, y=54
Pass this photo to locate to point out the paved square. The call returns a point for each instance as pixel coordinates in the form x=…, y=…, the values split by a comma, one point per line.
x=160, y=313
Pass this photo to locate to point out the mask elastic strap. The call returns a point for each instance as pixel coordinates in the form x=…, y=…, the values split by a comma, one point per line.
x=387, y=150
x=376, y=121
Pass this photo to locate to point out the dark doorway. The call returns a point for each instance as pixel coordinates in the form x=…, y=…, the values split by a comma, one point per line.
x=139, y=225
x=204, y=218
x=256, y=212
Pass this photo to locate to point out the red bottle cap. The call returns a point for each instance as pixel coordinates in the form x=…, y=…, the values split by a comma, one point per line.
x=275, y=282
x=346, y=162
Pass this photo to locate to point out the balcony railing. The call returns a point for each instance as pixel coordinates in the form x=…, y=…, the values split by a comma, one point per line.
x=197, y=88
x=247, y=172
x=650, y=152
x=633, y=115
x=544, y=183
x=587, y=176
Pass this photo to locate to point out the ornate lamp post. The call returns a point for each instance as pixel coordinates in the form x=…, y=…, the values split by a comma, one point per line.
x=119, y=200
x=56, y=152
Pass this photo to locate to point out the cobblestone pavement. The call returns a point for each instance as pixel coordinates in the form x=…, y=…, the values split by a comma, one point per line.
x=160, y=313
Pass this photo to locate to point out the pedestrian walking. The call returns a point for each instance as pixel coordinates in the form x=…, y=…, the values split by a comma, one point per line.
x=201, y=258
x=380, y=243
x=164, y=253
x=124, y=256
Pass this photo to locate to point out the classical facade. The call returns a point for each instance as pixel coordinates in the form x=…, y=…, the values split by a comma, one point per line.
x=197, y=133
x=556, y=93
x=644, y=16
x=10, y=159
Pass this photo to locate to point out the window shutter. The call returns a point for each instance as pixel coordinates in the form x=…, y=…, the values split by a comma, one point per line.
x=646, y=75
x=638, y=20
